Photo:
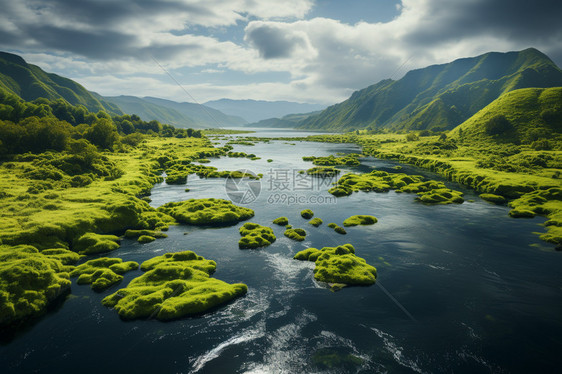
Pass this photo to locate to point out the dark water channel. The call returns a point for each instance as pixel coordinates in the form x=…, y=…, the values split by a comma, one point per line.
x=461, y=288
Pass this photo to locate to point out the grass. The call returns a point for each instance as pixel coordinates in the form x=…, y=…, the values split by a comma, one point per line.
x=281, y=221
x=315, y=222
x=174, y=285
x=307, y=214
x=429, y=192
x=359, y=220
x=29, y=281
x=103, y=272
x=339, y=265
x=295, y=234
x=255, y=236
x=207, y=212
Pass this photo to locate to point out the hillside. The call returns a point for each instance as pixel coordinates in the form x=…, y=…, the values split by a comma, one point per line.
x=30, y=82
x=148, y=111
x=257, y=110
x=439, y=97
x=521, y=116
x=288, y=121
x=202, y=115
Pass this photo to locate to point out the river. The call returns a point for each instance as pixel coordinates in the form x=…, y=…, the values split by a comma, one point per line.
x=461, y=288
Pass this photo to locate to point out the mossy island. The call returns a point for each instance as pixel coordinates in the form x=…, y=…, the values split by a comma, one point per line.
x=315, y=222
x=255, y=236
x=295, y=234
x=323, y=171
x=207, y=212
x=173, y=286
x=340, y=230
x=281, y=221
x=339, y=265
x=429, y=192
x=29, y=282
x=307, y=214
x=360, y=220
x=103, y=272
x=351, y=159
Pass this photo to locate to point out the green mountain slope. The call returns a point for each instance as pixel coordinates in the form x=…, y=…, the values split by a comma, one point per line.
x=440, y=96
x=521, y=116
x=30, y=82
x=256, y=110
x=148, y=111
x=288, y=121
x=203, y=115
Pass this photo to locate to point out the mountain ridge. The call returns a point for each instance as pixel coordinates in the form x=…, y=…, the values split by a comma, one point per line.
x=439, y=97
x=30, y=82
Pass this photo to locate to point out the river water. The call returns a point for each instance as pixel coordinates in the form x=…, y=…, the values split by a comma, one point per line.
x=460, y=288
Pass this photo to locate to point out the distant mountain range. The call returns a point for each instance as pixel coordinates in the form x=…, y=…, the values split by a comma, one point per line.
x=256, y=110
x=174, y=113
x=30, y=82
x=439, y=97
x=288, y=121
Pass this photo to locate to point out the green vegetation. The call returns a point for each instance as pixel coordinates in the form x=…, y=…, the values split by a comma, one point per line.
x=295, y=234
x=225, y=132
x=438, y=97
x=255, y=236
x=174, y=285
x=138, y=233
x=103, y=272
x=359, y=220
x=143, y=239
x=30, y=82
x=339, y=265
x=211, y=212
x=323, y=171
x=307, y=214
x=315, y=222
x=347, y=160
x=281, y=221
x=91, y=243
x=496, y=199
x=429, y=192
x=29, y=281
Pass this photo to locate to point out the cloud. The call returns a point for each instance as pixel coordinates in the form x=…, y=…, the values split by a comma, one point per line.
x=274, y=41
x=321, y=59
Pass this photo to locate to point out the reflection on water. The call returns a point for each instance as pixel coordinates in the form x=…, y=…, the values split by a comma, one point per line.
x=481, y=297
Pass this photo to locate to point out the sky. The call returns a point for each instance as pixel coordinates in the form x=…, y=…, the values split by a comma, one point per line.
x=309, y=51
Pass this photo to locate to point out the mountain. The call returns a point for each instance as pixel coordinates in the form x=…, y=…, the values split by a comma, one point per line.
x=30, y=82
x=288, y=121
x=202, y=115
x=439, y=97
x=520, y=116
x=254, y=110
x=148, y=111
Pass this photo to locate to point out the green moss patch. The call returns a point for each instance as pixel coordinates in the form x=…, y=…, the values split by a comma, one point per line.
x=138, y=233
x=339, y=265
x=29, y=281
x=65, y=256
x=429, y=192
x=307, y=214
x=295, y=234
x=92, y=243
x=359, y=220
x=143, y=239
x=281, y=221
x=103, y=272
x=348, y=160
x=323, y=171
x=496, y=199
x=174, y=285
x=212, y=212
x=255, y=236
x=315, y=222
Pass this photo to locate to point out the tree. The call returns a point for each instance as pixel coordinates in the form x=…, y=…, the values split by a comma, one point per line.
x=103, y=133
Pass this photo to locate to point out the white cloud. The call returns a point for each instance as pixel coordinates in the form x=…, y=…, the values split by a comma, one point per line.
x=108, y=45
